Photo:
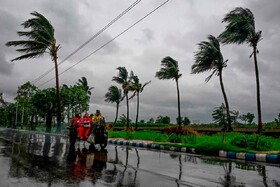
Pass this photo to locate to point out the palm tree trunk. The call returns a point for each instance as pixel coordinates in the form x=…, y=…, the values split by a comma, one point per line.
x=258, y=90
x=228, y=126
x=58, y=114
x=127, y=111
x=137, y=112
x=117, y=113
x=179, y=108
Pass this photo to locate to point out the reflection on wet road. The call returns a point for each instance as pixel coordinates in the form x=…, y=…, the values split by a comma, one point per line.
x=29, y=159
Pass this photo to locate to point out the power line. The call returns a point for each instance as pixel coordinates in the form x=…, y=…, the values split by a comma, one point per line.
x=109, y=41
x=84, y=44
x=93, y=37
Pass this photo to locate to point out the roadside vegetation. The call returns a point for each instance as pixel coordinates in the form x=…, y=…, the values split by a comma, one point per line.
x=237, y=142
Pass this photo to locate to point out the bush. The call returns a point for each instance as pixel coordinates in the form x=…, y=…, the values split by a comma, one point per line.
x=250, y=142
x=173, y=129
x=179, y=130
x=240, y=141
x=263, y=145
x=174, y=138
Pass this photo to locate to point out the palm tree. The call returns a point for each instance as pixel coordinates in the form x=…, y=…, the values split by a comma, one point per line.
x=209, y=58
x=170, y=70
x=124, y=79
x=241, y=29
x=40, y=40
x=114, y=95
x=83, y=82
x=138, y=88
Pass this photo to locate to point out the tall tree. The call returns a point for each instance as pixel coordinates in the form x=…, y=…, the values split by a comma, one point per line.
x=138, y=88
x=74, y=99
x=209, y=58
x=39, y=40
x=114, y=95
x=124, y=79
x=24, y=93
x=45, y=103
x=170, y=70
x=240, y=29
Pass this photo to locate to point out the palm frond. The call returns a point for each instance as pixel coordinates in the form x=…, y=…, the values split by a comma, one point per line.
x=114, y=94
x=38, y=39
x=122, y=73
x=133, y=95
x=27, y=56
x=240, y=26
x=118, y=80
x=210, y=76
x=169, y=69
x=142, y=87
x=208, y=57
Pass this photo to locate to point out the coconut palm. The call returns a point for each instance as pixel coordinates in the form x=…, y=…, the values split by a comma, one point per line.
x=209, y=58
x=40, y=40
x=240, y=29
x=124, y=79
x=138, y=88
x=170, y=70
x=114, y=95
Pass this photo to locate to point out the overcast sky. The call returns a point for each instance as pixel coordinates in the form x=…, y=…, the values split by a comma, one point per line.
x=173, y=30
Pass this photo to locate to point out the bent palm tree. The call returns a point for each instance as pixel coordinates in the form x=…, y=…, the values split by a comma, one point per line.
x=138, y=88
x=240, y=29
x=114, y=95
x=170, y=70
x=40, y=39
x=124, y=80
x=210, y=58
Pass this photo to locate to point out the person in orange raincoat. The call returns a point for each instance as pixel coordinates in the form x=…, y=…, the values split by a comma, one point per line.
x=85, y=127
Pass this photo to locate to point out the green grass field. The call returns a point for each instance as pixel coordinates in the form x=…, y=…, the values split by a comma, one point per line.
x=208, y=143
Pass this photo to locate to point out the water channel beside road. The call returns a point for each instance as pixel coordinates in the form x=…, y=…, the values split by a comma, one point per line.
x=30, y=159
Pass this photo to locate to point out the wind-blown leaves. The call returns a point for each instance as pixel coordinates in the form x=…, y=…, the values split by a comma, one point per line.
x=39, y=38
x=208, y=58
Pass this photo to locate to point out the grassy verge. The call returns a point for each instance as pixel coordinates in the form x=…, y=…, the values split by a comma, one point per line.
x=206, y=143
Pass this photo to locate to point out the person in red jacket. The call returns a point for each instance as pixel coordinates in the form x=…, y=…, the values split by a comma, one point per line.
x=85, y=127
x=75, y=121
x=75, y=124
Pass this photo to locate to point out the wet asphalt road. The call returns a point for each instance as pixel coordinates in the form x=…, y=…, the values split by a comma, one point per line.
x=29, y=159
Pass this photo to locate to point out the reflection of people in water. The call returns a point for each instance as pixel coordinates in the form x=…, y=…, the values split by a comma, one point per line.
x=84, y=164
x=99, y=162
x=72, y=155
